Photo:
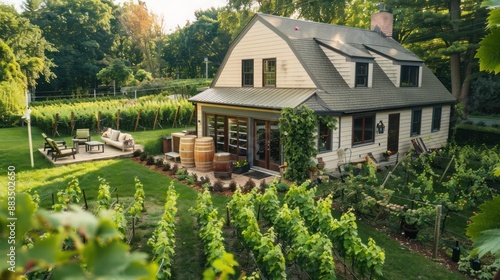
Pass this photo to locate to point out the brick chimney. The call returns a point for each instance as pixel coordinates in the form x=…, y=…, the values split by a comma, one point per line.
x=382, y=21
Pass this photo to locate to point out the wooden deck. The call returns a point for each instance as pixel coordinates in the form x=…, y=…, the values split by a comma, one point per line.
x=83, y=156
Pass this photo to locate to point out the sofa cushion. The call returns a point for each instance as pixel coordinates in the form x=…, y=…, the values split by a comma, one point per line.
x=122, y=137
x=114, y=135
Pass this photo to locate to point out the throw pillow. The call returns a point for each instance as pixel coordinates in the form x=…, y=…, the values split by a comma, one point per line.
x=127, y=136
x=107, y=133
x=114, y=135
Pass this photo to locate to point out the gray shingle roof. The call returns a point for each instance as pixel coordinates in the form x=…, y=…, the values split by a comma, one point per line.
x=333, y=95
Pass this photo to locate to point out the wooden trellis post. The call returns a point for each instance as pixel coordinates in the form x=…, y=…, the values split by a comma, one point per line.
x=156, y=118
x=118, y=120
x=437, y=231
x=191, y=118
x=99, y=121
x=175, y=117
x=54, y=125
x=137, y=120
x=72, y=123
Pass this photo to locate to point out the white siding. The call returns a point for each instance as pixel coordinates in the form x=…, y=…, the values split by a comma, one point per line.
x=345, y=68
x=389, y=68
x=260, y=43
x=352, y=154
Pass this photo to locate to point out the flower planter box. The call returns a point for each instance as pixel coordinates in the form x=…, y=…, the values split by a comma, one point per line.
x=241, y=170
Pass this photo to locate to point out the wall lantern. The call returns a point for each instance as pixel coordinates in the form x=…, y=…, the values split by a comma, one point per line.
x=380, y=127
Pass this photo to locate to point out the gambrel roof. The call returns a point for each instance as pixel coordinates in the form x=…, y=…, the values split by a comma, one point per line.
x=332, y=94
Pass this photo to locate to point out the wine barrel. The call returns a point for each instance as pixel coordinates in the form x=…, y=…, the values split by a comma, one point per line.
x=223, y=166
x=203, y=153
x=176, y=138
x=186, y=150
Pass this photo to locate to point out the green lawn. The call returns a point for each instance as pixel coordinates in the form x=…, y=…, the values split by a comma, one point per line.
x=188, y=264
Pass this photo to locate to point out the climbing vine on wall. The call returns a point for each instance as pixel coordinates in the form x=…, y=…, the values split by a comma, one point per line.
x=298, y=127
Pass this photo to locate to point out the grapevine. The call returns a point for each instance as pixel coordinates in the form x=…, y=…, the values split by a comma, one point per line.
x=138, y=205
x=210, y=228
x=269, y=257
x=163, y=239
x=70, y=195
x=103, y=195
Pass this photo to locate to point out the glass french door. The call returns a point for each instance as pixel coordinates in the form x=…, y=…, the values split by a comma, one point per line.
x=267, y=149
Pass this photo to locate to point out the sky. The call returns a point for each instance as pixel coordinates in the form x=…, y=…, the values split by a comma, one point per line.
x=175, y=12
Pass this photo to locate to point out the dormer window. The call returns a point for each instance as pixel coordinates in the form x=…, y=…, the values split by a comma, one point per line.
x=409, y=76
x=269, y=72
x=361, y=74
x=247, y=73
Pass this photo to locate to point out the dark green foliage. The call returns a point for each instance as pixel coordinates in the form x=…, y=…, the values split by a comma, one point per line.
x=166, y=166
x=159, y=163
x=476, y=135
x=282, y=187
x=484, y=97
x=150, y=160
x=143, y=156
x=218, y=186
x=137, y=153
x=249, y=185
x=233, y=186
x=175, y=168
x=297, y=130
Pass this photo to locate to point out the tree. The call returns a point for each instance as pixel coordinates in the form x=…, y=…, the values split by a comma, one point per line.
x=28, y=44
x=443, y=33
x=12, y=83
x=81, y=32
x=144, y=29
x=186, y=48
x=489, y=51
x=117, y=71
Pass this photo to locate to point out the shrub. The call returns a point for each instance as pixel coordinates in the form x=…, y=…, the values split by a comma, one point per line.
x=249, y=185
x=233, y=186
x=166, y=167
x=282, y=187
x=143, y=156
x=137, y=153
x=150, y=160
x=218, y=186
x=262, y=186
x=159, y=163
x=175, y=168
x=190, y=180
x=204, y=180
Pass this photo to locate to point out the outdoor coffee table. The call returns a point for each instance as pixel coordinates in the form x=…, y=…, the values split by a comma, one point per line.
x=90, y=144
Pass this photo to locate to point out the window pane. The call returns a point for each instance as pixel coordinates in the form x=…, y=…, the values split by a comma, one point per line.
x=363, y=129
x=361, y=74
x=436, y=119
x=409, y=76
x=324, y=138
x=247, y=72
x=416, y=121
x=269, y=72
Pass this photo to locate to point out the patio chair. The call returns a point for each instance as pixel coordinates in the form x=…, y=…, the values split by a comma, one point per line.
x=60, y=144
x=82, y=135
x=59, y=153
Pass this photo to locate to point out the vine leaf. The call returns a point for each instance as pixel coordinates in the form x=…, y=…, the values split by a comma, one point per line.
x=487, y=242
x=485, y=227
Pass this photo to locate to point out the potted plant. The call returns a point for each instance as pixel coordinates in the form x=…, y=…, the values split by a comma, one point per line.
x=412, y=219
x=387, y=154
x=241, y=166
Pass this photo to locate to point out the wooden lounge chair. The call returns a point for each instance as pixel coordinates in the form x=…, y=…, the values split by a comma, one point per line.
x=59, y=153
x=421, y=148
x=82, y=135
x=60, y=144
